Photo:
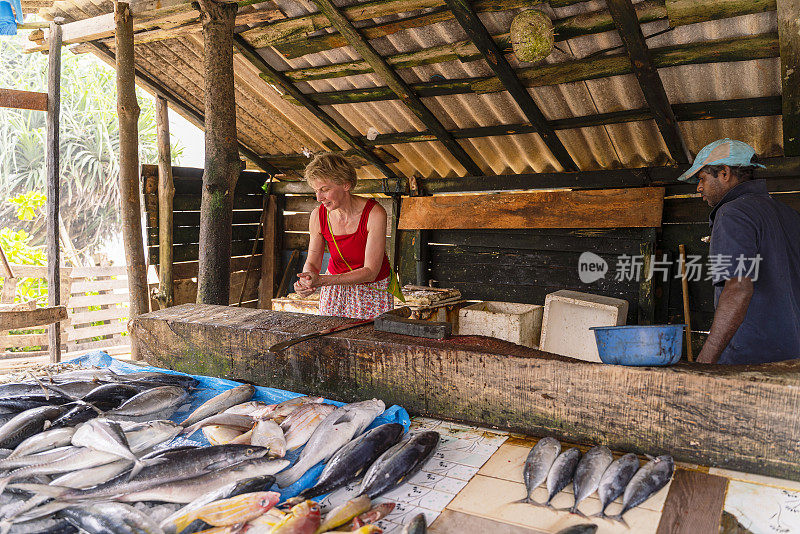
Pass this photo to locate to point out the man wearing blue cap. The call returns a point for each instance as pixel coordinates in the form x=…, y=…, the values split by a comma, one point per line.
x=754, y=260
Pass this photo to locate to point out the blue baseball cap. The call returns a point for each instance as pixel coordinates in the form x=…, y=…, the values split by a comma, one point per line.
x=722, y=152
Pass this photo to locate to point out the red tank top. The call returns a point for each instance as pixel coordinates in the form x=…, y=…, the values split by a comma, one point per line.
x=353, y=246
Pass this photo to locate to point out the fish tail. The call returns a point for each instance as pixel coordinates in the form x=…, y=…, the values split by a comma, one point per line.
x=138, y=465
x=183, y=521
x=620, y=519
x=40, y=489
x=600, y=515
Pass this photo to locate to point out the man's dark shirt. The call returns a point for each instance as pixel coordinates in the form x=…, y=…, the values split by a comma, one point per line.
x=748, y=223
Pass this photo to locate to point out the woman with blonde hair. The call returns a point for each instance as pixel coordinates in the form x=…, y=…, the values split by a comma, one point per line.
x=354, y=229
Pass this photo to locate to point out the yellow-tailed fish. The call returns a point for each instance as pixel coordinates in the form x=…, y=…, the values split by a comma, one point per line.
x=220, y=435
x=374, y=515
x=265, y=522
x=239, y=509
x=366, y=529
x=301, y=519
x=344, y=513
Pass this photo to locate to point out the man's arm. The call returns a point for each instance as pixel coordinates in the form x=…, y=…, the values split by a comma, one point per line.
x=731, y=310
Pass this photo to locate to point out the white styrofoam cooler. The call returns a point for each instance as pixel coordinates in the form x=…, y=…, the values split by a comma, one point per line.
x=568, y=316
x=510, y=321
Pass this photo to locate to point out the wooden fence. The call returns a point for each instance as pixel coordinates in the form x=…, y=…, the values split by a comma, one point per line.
x=97, y=304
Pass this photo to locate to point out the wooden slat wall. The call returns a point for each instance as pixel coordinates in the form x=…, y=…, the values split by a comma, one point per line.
x=186, y=231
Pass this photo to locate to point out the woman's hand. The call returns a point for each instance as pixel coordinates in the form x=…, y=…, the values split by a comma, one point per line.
x=301, y=290
x=310, y=280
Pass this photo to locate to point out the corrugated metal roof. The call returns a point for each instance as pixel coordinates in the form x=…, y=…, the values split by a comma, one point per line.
x=272, y=125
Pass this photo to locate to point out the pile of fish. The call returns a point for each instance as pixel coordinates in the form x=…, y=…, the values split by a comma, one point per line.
x=94, y=451
x=594, y=471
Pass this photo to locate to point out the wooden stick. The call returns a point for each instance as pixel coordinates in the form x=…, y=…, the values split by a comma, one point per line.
x=262, y=221
x=686, y=313
x=166, y=192
x=52, y=171
x=7, y=271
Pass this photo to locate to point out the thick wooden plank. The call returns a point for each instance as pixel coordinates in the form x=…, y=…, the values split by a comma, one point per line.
x=494, y=57
x=608, y=208
x=694, y=504
x=16, y=99
x=13, y=320
x=712, y=415
x=789, y=36
x=646, y=73
x=98, y=300
x=397, y=85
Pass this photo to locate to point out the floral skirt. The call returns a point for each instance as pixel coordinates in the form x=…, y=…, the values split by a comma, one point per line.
x=360, y=301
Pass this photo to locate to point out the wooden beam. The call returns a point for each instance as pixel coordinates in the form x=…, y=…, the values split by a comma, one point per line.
x=397, y=85
x=222, y=164
x=479, y=35
x=15, y=99
x=789, y=35
x=269, y=255
x=166, y=192
x=53, y=192
x=128, y=111
x=276, y=77
x=470, y=381
x=649, y=81
x=14, y=320
x=723, y=109
x=600, y=208
x=714, y=51
x=188, y=112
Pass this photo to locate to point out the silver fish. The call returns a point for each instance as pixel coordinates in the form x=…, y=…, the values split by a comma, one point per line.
x=44, y=441
x=288, y=407
x=615, y=479
x=220, y=403
x=251, y=408
x=398, y=463
x=334, y=432
x=156, y=403
x=26, y=424
x=106, y=436
x=87, y=478
x=299, y=426
x=588, y=474
x=144, y=436
x=270, y=435
x=79, y=458
x=417, y=525
x=241, y=422
x=102, y=518
x=561, y=473
x=38, y=458
x=187, y=490
x=538, y=463
x=648, y=480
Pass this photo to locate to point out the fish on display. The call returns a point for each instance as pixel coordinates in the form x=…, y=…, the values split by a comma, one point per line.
x=239, y=509
x=299, y=426
x=417, y=525
x=334, y=432
x=156, y=403
x=288, y=407
x=270, y=435
x=615, y=479
x=220, y=435
x=86, y=478
x=105, y=518
x=144, y=436
x=110, y=396
x=43, y=441
x=255, y=409
x=373, y=515
x=350, y=462
x=537, y=465
x=153, y=378
x=74, y=388
x=579, y=529
x=589, y=473
x=647, y=481
x=177, y=466
x=38, y=458
x=107, y=436
x=26, y=402
x=220, y=403
x=304, y=518
x=344, y=513
x=239, y=422
x=363, y=529
x=79, y=412
x=398, y=463
x=561, y=473
x=26, y=424
x=78, y=458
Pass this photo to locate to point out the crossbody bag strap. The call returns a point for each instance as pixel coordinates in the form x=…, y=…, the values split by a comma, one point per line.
x=333, y=237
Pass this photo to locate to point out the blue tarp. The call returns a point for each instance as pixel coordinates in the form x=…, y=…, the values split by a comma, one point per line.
x=211, y=386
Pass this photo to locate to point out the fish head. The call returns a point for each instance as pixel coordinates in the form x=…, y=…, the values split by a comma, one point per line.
x=268, y=499
x=307, y=509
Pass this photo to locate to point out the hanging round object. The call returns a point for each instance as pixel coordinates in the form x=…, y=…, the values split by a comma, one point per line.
x=532, y=35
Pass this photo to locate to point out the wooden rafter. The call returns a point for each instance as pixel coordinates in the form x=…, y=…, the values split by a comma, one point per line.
x=13, y=98
x=647, y=74
x=278, y=78
x=397, y=85
x=789, y=32
x=189, y=112
x=479, y=35
x=715, y=51
x=722, y=109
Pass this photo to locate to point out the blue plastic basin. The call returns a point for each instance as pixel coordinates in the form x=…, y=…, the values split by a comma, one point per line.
x=640, y=345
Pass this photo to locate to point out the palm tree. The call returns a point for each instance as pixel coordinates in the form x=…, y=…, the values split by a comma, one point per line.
x=89, y=142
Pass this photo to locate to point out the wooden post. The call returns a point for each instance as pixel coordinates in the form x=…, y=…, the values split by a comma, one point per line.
x=52, y=148
x=166, y=192
x=128, y=111
x=789, y=37
x=269, y=255
x=420, y=240
x=222, y=165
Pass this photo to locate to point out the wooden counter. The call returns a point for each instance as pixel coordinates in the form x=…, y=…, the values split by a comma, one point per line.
x=742, y=418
